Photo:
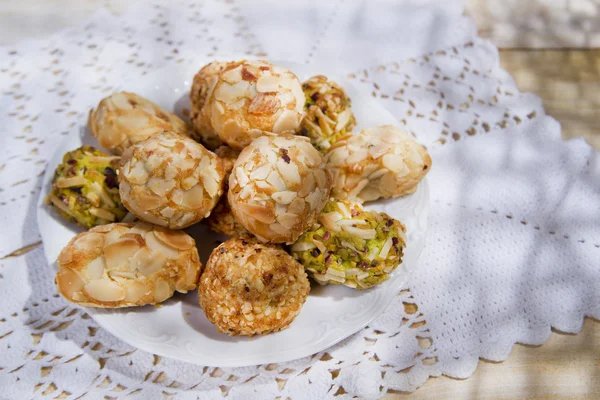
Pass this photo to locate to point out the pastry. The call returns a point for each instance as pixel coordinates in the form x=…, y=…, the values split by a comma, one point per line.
x=203, y=84
x=248, y=99
x=170, y=180
x=85, y=188
x=124, y=118
x=126, y=264
x=380, y=162
x=250, y=288
x=351, y=246
x=327, y=115
x=278, y=187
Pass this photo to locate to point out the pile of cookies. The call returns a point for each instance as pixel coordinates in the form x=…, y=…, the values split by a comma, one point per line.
x=268, y=161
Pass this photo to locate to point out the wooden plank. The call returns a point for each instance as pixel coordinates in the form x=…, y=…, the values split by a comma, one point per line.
x=538, y=23
x=565, y=367
x=568, y=81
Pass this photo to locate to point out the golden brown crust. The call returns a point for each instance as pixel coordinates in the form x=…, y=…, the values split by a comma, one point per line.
x=240, y=101
x=379, y=162
x=123, y=119
x=127, y=264
x=278, y=187
x=203, y=84
x=251, y=288
x=170, y=180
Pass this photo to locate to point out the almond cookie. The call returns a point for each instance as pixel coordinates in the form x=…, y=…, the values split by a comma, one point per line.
x=250, y=288
x=85, y=188
x=170, y=180
x=327, y=116
x=248, y=99
x=124, y=118
x=351, y=246
x=126, y=264
x=278, y=187
x=380, y=162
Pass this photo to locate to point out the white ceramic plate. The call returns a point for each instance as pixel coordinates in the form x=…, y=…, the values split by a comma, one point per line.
x=179, y=328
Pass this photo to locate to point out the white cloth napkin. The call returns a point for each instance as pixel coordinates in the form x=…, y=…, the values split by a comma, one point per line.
x=513, y=244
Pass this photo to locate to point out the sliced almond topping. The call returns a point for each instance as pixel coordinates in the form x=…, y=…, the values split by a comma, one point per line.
x=285, y=197
x=177, y=239
x=193, y=198
x=337, y=156
x=103, y=159
x=261, y=173
x=288, y=220
x=89, y=241
x=378, y=174
x=71, y=182
x=187, y=218
x=358, y=188
x=361, y=233
x=171, y=172
x=343, y=119
x=261, y=213
x=241, y=177
x=129, y=217
x=248, y=190
x=93, y=198
x=308, y=185
x=117, y=253
x=141, y=228
x=211, y=185
x=167, y=212
x=137, y=173
x=264, y=103
x=385, y=249
x=275, y=180
x=189, y=182
x=369, y=193
x=185, y=164
x=395, y=164
x=135, y=291
x=154, y=244
x=377, y=151
x=122, y=274
x=343, y=209
x=289, y=172
x=303, y=246
x=65, y=256
x=120, y=100
x=230, y=93
x=102, y=213
x=233, y=75
x=297, y=206
x=329, y=220
x=267, y=83
x=96, y=268
x=113, y=234
x=287, y=121
x=104, y=290
x=160, y=186
x=156, y=261
x=316, y=199
x=162, y=291
x=99, y=190
x=279, y=229
x=153, y=162
x=69, y=282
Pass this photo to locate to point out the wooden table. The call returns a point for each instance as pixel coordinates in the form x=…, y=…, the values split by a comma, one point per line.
x=562, y=67
x=567, y=78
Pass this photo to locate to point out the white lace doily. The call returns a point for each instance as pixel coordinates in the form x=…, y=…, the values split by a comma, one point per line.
x=513, y=245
